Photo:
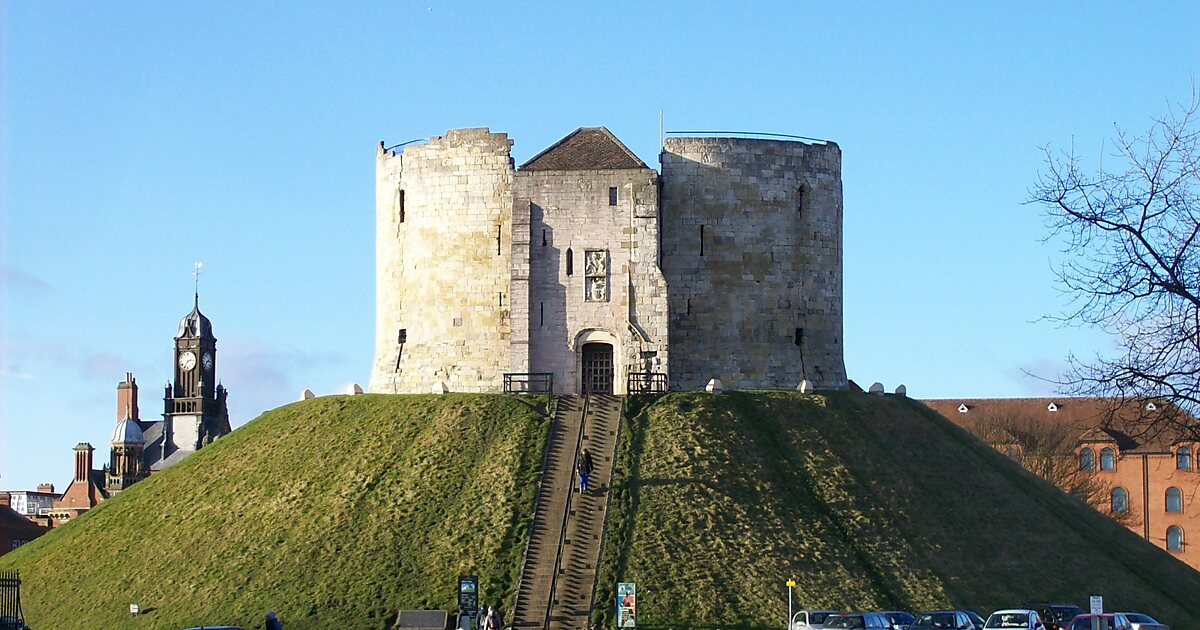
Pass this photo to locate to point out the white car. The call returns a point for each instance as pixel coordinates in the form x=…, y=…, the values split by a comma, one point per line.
x=814, y=619
x=1015, y=619
x=1144, y=622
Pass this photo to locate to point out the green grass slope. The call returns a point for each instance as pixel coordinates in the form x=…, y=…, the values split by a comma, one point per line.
x=867, y=502
x=335, y=512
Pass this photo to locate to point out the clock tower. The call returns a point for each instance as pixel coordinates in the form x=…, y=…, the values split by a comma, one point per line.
x=195, y=410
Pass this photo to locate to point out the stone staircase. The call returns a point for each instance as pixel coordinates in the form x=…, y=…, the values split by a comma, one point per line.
x=559, y=573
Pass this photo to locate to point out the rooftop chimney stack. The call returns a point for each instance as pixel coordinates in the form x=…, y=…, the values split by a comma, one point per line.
x=127, y=398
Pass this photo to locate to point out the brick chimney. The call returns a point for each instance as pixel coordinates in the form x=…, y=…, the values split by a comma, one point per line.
x=47, y=488
x=83, y=461
x=127, y=397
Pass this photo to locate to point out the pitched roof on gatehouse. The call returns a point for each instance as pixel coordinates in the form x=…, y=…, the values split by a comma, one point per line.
x=585, y=149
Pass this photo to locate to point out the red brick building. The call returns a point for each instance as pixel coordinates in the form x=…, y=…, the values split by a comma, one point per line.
x=1148, y=480
x=85, y=491
x=15, y=530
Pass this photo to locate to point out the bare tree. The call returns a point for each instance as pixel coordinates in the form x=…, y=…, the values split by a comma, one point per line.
x=1130, y=232
x=1047, y=449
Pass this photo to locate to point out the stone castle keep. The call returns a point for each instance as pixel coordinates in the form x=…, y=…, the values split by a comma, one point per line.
x=587, y=264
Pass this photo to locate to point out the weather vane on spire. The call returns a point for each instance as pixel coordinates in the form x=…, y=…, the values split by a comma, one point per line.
x=196, y=272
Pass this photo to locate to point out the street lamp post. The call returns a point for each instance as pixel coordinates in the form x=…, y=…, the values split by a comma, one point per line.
x=790, y=584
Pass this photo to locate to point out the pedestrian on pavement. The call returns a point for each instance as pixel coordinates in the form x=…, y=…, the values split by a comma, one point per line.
x=585, y=469
x=491, y=622
x=273, y=622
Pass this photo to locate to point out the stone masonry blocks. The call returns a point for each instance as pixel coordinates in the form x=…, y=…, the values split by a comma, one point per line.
x=727, y=265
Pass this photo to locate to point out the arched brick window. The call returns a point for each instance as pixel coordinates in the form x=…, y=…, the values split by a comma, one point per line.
x=1174, y=538
x=1183, y=458
x=1108, y=459
x=1174, y=500
x=1087, y=459
x=1120, y=500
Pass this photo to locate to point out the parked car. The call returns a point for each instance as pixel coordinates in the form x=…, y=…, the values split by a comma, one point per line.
x=944, y=620
x=1142, y=621
x=1108, y=621
x=1055, y=616
x=1015, y=619
x=976, y=619
x=814, y=619
x=858, y=621
x=899, y=619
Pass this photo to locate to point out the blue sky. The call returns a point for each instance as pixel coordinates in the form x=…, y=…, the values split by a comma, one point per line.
x=139, y=138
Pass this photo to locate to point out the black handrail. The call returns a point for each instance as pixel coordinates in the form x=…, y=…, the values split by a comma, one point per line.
x=612, y=471
x=562, y=535
x=537, y=503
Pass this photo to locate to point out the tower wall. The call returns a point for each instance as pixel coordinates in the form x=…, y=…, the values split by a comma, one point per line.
x=561, y=211
x=443, y=264
x=752, y=252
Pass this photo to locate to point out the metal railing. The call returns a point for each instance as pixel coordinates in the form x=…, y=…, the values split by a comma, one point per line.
x=538, y=499
x=562, y=535
x=10, y=596
x=612, y=473
x=646, y=383
x=762, y=134
x=528, y=383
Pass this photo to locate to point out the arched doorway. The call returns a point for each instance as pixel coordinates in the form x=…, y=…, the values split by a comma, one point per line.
x=598, y=368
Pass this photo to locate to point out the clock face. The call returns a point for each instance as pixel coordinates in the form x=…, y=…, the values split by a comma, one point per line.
x=206, y=361
x=187, y=361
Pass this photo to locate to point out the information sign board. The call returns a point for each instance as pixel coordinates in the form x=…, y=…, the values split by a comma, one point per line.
x=468, y=595
x=1097, y=602
x=626, y=605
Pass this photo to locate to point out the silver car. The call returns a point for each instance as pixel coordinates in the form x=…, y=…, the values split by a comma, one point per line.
x=814, y=619
x=1141, y=621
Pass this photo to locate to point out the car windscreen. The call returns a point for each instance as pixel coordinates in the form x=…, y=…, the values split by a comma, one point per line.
x=845, y=621
x=1065, y=613
x=1139, y=618
x=1007, y=620
x=818, y=617
x=934, y=620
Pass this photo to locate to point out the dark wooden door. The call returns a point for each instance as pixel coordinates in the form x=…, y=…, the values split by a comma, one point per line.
x=597, y=368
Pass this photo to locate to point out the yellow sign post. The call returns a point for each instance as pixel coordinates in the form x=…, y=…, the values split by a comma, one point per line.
x=790, y=584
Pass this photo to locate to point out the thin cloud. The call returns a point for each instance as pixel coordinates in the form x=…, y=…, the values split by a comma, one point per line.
x=261, y=377
x=16, y=278
x=1039, y=377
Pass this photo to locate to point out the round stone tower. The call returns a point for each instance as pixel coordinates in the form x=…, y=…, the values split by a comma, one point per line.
x=443, y=264
x=752, y=253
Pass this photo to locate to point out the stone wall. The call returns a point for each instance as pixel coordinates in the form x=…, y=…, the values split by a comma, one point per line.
x=443, y=256
x=752, y=252
x=556, y=212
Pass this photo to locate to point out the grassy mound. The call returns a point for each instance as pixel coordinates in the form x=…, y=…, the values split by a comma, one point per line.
x=868, y=502
x=335, y=512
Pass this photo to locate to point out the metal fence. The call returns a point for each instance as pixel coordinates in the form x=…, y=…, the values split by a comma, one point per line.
x=10, y=599
x=646, y=383
x=528, y=383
